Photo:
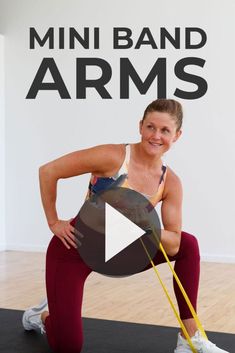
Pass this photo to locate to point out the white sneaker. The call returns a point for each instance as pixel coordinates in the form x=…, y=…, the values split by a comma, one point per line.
x=31, y=319
x=201, y=344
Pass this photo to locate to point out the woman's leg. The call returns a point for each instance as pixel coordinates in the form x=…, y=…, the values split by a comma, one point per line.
x=187, y=268
x=65, y=276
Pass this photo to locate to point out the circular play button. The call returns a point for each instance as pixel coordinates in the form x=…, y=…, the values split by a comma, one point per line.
x=120, y=232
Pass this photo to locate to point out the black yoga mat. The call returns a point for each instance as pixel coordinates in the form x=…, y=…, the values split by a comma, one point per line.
x=100, y=336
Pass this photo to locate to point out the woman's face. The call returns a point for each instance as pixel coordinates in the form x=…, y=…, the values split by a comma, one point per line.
x=158, y=132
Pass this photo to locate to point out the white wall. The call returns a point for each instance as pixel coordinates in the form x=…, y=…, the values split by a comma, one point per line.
x=42, y=129
x=2, y=148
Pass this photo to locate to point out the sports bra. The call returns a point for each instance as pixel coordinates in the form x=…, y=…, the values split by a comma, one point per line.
x=98, y=184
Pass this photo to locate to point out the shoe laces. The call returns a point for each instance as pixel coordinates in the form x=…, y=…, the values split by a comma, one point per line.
x=208, y=344
x=202, y=341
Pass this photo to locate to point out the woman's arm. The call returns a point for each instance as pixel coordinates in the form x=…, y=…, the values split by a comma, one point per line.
x=101, y=160
x=171, y=212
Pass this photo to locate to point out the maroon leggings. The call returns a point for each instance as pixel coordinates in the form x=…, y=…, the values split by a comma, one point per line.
x=65, y=276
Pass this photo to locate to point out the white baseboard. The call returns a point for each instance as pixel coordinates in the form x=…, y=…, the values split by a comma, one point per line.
x=218, y=258
x=25, y=247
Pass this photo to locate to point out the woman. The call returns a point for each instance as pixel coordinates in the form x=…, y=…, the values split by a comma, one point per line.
x=65, y=270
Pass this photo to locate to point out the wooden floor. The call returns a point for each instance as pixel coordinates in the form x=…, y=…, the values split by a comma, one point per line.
x=137, y=298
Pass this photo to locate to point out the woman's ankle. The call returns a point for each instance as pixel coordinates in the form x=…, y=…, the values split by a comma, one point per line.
x=44, y=315
x=190, y=326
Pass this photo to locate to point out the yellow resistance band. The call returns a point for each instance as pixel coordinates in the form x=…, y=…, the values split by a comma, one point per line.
x=199, y=325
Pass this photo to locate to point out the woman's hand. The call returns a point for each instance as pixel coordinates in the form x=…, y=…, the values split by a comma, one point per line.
x=66, y=233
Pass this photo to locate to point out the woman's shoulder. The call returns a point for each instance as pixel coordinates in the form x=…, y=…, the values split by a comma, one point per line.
x=100, y=159
x=109, y=146
x=171, y=175
x=112, y=156
x=111, y=151
x=172, y=183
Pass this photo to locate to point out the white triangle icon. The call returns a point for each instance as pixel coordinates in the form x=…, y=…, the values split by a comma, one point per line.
x=119, y=232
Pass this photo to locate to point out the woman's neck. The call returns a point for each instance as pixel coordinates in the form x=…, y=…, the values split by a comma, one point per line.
x=140, y=156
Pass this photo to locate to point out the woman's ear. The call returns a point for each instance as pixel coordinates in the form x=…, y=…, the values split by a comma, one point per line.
x=140, y=126
x=177, y=135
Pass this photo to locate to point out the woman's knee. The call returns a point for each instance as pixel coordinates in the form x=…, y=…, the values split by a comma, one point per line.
x=189, y=243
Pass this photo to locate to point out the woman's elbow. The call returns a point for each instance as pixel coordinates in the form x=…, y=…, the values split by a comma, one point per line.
x=44, y=170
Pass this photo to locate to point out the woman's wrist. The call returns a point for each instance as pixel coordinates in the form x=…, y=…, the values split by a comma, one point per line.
x=52, y=223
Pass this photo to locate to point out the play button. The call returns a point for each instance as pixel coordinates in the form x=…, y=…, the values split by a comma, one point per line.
x=121, y=232
x=116, y=224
